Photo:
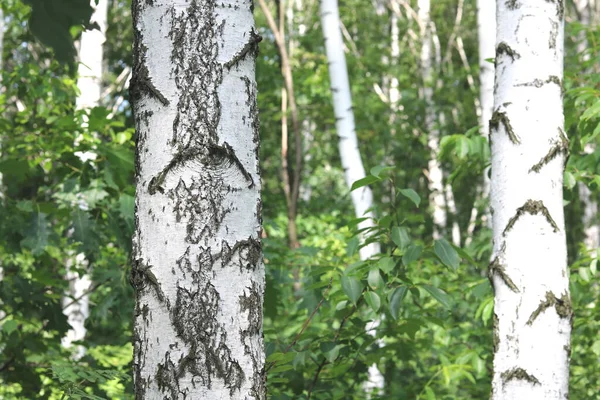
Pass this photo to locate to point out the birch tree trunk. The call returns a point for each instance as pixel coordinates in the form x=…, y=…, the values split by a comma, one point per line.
x=532, y=320
x=89, y=84
x=362, y=198
x=438, y=193
x=197, y=256
x=588, y=200
x=354, y=170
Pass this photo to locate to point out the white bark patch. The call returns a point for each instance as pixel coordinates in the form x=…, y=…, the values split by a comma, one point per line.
x=198, y=269
x=529, y=268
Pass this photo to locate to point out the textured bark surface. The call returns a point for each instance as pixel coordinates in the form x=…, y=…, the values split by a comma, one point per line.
x=532, y=320
x=89, y=83
x=197, y=257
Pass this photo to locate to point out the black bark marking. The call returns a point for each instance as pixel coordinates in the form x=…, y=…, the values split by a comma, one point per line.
x=496, y=268
x=249, y=253
x=518, y=373
x=500, y=117
x=538, y=83
x=142, y=276
x=195, y=320
x=532, y=207
x=504, y=48
x=561, y=146
x=250, y=47
x=560, y=7
x=496, y=333
x=253, y=304
x=563, y=306
x=215, y=157
x=141, y=83
x=512, y=4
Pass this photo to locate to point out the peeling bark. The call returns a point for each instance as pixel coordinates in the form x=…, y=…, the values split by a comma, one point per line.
x=532, y=320
x=197, y=257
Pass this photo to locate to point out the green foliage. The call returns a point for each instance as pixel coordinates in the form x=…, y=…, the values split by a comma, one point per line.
x=67, y=188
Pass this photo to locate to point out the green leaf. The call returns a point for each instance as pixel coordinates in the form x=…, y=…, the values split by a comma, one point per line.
x=396, y=299
x=591, y=112
x=412, y=254
x=374, y=279
x=594, y=266
x=376, y=171
x=37, y=235
x=584, y=272
x=352, y=287
x=446, y=253
x=462, y=147
x=9, y=326
x=438, y=294
x=84, y=230
x=411, y=195
x=569, y=180
x=373, y=300
x=352, y=246
x=386, y=264
x=400, y=237
x=367, y=180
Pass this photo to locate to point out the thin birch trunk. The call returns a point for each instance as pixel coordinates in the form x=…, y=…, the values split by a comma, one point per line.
x=486, y=29
x=533, y=312
x=197, y=256
x=89, y=83
x=435, y=174
x=362, y=198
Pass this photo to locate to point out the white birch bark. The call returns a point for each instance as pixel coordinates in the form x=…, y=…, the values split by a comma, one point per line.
x=362, y=198
x=532, y=320
x=89, y=81
x=435, y=173
x=354, y=170
x=197, y=256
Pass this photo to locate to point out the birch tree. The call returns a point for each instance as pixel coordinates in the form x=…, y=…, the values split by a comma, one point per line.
x=197, y=256
x=89, y=84
x=532, y=320
x=362, y=198
x=441, y=196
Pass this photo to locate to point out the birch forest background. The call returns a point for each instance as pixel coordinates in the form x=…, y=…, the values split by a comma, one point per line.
x=403, y=259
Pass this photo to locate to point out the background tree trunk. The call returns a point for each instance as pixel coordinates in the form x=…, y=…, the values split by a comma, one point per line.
x=354, y=170
x=89, y=83
x=197, y=256
x=342, y=104
x=529, y=268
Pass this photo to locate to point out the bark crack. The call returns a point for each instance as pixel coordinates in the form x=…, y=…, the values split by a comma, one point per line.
x=560, y=146
x=500, y=117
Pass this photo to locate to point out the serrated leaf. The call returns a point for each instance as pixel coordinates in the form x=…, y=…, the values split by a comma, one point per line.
x=438, y=294
x=373, y=300
x=412, y=253
x=352, y=287
x=411, y=195
x=367, y=180
x=400, y=237
x=396, y=300
x=591, y=112
x=446, y=253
